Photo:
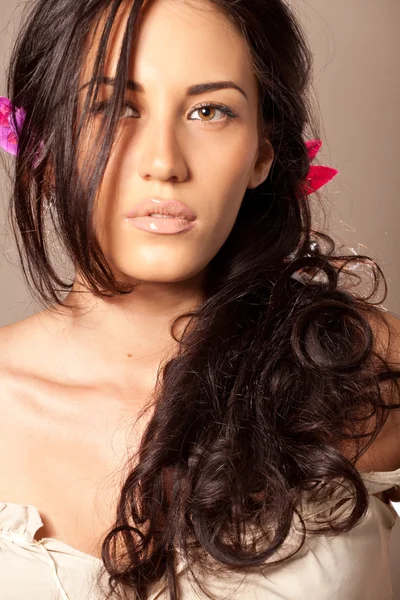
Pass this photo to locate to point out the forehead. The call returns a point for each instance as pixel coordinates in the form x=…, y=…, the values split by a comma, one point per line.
x=177, y=43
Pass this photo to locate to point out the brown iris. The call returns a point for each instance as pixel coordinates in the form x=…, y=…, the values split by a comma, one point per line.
x=207, y=108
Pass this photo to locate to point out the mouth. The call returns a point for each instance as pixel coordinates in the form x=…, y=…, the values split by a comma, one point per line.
x=162, y=209
x=161, y=224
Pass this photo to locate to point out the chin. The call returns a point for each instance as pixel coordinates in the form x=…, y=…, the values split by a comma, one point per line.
x=155, y=273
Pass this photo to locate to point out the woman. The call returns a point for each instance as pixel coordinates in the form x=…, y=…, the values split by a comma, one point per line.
x=212, y=394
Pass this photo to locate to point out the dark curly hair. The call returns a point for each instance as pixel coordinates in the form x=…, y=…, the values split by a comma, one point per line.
x=278, y=370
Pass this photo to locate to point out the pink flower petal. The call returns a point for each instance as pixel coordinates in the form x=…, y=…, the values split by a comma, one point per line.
x=5, y=111
x=313, y=147
x=7, y=141
x=5, y=104
x=317, y=177
x=9, y=130
x=4, y=119
x=20, y=116
x=12, y=138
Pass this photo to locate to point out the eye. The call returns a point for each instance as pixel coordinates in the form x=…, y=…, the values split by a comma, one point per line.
x=126, y=109
x=208, y=110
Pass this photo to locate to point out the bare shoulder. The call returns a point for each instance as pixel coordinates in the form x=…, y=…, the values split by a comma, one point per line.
x=386, y=329
x=384, y=454
x=13, y=339
x=20, y=350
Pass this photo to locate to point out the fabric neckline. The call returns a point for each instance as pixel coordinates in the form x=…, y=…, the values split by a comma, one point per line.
x=385, y=473
x=58, y=545
x=33, y=522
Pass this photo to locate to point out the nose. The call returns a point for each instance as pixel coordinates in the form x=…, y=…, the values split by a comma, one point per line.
x=161, y=155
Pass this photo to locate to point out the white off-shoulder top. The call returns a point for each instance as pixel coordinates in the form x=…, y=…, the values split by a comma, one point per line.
x=350, y=566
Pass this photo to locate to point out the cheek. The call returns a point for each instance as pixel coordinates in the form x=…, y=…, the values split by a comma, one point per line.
x=230, y=158
x=116, y=194
x=224, y=176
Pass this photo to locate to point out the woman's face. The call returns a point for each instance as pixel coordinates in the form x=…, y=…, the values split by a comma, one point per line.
x=170, y=148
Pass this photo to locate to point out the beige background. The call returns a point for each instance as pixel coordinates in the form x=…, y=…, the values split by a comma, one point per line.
x=357, y=85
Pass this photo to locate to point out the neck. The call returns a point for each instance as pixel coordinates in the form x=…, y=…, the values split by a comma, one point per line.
x=117, y=339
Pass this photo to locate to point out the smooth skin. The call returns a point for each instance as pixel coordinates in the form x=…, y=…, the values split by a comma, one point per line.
x=73, y=383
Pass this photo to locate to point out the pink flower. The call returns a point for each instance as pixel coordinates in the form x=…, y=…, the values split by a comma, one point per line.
x=317, y=175
x=8, y=133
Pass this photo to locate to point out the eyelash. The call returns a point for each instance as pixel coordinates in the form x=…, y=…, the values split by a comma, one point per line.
x=229, y=113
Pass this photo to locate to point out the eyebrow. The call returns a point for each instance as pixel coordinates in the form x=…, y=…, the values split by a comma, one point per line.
x=193, y=90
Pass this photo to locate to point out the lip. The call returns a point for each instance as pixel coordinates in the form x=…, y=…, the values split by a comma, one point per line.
x=172, y=208
x=162, y=225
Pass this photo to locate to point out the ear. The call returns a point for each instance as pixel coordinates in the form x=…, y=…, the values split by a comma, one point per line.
x=262, y=166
